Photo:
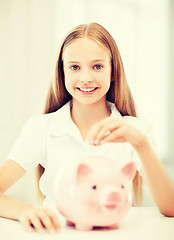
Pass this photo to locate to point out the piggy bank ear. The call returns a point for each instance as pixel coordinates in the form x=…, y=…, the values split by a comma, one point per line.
x=129, y=170
x=82, y=172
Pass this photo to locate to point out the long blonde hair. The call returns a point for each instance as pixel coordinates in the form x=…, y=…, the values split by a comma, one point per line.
x=119, y=92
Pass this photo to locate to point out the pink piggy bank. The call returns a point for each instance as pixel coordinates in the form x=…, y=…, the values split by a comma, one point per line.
x=94, y=192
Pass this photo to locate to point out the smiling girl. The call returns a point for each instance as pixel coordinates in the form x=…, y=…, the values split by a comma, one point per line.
x=89, y=110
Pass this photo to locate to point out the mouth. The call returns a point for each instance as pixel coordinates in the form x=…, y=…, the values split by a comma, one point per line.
x=87, y=90
x=110, y=207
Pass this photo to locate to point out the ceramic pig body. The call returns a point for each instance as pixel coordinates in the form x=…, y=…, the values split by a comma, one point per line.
x=94, y=191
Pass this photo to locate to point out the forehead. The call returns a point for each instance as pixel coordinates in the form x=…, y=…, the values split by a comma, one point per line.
x=85, y=48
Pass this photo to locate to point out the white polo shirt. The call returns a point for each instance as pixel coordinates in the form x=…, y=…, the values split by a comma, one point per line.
x=53, y=139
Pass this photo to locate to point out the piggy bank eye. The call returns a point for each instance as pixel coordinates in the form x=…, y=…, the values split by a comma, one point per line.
x=94, y=187
x=122, y=186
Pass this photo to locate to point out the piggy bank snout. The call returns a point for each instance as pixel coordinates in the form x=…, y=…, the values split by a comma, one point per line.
x=110, y=195
x=114, y=197
x=112, y=201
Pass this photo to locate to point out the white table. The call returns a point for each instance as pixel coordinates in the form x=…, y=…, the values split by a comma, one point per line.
x=140, y=223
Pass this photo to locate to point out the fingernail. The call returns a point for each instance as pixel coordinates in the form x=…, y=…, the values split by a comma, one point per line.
x=107, y=133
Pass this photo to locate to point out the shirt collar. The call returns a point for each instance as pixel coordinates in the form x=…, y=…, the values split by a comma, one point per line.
x=114, y=111
x=61, y=121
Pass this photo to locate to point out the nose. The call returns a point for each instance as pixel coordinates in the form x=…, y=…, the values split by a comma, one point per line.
x=114, y=196
x=86, y=77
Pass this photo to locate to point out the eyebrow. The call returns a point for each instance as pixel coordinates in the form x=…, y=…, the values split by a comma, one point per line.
x=93, y=61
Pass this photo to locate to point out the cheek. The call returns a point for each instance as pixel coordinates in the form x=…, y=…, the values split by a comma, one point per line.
x=66, y=82
x=105, y=78
x=92, y=200
x=69, y=81
x=106, y=82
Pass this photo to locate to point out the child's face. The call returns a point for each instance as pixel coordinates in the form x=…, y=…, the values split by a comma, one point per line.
x=87, y=70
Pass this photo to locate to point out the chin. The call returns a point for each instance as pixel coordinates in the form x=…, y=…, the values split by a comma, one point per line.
x=88, y=101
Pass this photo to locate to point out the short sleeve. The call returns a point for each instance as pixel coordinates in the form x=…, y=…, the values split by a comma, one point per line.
x=29, y=149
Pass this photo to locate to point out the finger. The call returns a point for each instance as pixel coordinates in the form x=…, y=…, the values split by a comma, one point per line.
x=114, y=136
x=54, y=219
x=47, y=221
x=55, y=223
x=106, y=130
x=93, y=132
x=27, y=224
x=96, y=129
x=37, y=224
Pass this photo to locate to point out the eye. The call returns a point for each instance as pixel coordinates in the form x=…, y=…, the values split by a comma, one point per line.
x=98, y=67
x=122, y=186
x=74, y=67
x=94, y=187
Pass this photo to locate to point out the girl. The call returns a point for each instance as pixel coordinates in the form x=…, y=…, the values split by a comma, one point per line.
x=89, y=110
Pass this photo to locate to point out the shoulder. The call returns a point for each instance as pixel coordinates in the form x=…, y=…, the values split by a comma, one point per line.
x=46, y=122
x=38, y=124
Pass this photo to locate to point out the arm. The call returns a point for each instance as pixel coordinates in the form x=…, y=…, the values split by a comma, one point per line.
x=29, y=215
x=10, y=172
x=158, y=180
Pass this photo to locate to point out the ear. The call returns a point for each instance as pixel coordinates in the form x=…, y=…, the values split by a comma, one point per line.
x=129, y=170
x=82, y=172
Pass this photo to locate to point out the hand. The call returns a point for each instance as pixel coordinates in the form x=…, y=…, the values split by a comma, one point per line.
x=114, y=130
x=39, y=219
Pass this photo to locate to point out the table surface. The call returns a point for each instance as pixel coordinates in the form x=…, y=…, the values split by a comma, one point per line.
x=140, y=223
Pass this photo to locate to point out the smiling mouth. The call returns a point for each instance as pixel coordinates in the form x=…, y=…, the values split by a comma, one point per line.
x=87, y=90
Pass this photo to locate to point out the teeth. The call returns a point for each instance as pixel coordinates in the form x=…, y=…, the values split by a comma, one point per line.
x=87, y=90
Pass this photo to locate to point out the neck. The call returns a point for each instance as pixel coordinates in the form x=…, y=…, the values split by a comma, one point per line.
x=86, y=115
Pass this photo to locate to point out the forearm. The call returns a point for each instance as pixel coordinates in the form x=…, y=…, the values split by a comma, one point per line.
x=158, y=180
x=10, y=208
